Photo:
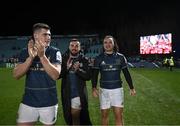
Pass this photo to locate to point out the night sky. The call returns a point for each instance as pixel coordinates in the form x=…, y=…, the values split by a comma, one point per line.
x=126, y=20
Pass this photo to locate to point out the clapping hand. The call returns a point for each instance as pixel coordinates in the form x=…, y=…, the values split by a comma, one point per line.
x=31, y=49
x=40, y=47
x=76, y=66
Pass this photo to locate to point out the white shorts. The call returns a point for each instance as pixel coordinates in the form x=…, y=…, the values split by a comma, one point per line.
x=76, y=103
x=111, y=97
x=46, y=115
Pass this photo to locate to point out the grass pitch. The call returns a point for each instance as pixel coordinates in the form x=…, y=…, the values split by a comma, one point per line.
x=157, y=101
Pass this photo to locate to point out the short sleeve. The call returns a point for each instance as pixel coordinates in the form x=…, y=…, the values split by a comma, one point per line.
x=22, y=56
x=58, y=57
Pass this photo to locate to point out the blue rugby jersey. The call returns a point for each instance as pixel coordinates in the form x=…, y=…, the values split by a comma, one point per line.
x=73, y=78
x=110, y=66
x=73, y=81
x=40, y=88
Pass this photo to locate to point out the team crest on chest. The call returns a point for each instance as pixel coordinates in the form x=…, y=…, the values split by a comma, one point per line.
x=103, y=63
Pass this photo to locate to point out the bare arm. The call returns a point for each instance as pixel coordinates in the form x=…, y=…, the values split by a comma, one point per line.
x=53, y=70
x=21, y=69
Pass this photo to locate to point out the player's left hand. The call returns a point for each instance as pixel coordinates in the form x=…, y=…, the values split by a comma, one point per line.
x=132, y=92
x=76, y=66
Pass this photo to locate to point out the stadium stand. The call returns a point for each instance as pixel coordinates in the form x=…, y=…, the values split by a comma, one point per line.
x=91, y=46
x=10, y=46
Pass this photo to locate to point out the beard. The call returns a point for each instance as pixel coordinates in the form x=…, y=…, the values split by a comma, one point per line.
x=74, y=54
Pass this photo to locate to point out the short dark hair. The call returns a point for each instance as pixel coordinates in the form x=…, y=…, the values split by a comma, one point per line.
x=116, y=48
x=74, y=40
x=38, y=26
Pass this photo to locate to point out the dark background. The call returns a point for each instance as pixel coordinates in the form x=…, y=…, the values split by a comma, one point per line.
x=125, y=20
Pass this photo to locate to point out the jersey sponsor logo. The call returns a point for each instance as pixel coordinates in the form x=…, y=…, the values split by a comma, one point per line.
x=110, y=67
x=37, y=69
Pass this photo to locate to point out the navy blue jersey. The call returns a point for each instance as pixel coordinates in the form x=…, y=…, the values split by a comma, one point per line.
x=110, y=66
x=40, y=88
x=73, y=78
x=73, y=81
